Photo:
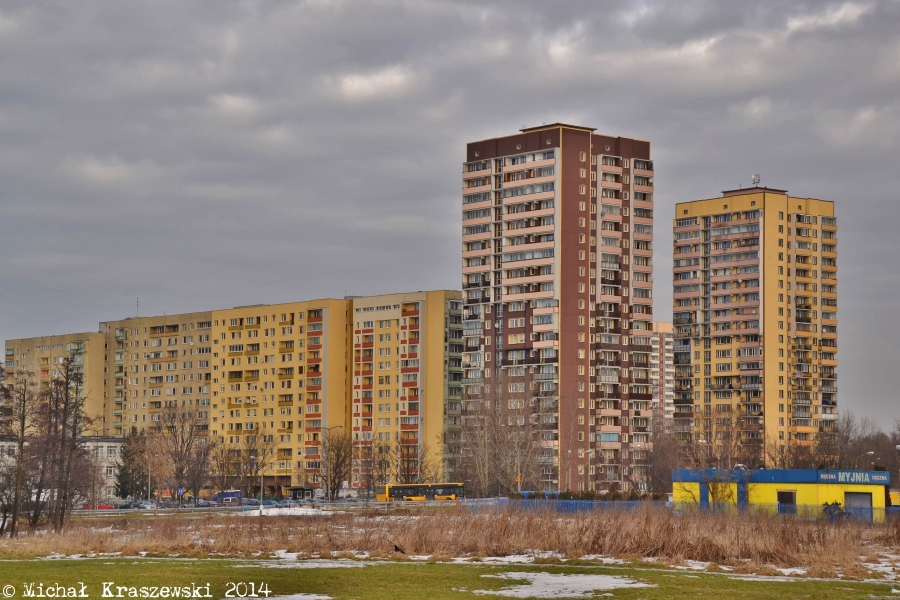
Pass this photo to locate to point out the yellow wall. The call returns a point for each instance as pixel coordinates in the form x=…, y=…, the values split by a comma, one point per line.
x=199, y=350
x=777, y=306
x=808, y=494
x=148, y=368
x=38, y=355
x=268, y=399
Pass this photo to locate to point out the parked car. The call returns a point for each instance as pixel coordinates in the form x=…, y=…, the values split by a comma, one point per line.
x=269, y=503
x=232, y=501
x=146, y=505
x=206, y=503
x=250, y=502
x=128, y=505
x=97, y=507
x=289, y=503
x=350, y=499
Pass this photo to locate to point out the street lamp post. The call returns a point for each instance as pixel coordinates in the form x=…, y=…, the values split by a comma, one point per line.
x=259, y=466
x=869, y=453
x=149, y=467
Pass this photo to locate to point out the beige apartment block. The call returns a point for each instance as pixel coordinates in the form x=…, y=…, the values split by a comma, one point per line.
x=89, y=352
x=755, y=316
x=407, y=382
x=273, y=380
x=280, y=373
x=156, y=363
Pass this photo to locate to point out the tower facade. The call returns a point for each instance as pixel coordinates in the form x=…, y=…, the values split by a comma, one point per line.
x=557, y=284
x=755, y=316
x=662, y=375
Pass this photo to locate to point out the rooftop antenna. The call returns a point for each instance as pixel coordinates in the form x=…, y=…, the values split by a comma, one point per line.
x=755, y=179
x=137, y=312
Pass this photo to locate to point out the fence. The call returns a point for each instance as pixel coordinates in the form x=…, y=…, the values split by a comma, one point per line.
x=805, y=512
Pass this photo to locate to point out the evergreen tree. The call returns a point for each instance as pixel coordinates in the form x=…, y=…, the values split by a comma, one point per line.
x=131, y=480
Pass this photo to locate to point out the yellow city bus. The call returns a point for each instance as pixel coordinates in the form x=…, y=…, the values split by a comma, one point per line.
x=419, y=491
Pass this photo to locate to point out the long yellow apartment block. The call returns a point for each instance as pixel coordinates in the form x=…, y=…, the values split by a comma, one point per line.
x=285, y=373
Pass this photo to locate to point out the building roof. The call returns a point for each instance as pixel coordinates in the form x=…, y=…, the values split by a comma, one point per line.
x=781, y=476
x=756, y=189
x=554, y=125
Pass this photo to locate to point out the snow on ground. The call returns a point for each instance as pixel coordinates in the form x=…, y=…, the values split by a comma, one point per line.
x=694, y=565
x=791, y=571
x=512, y=559
x=315, y=563
x=549, y=585
x=887, y=566
x=526, y=557
x=606, y=560
x=776, y=578
x=282, y=512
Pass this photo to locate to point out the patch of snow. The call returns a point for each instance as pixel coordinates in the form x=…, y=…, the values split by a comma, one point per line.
x=791, y=570
x=512, y=559
x=420, y=557
x=694, y=565
x=603, y=559
x=550, y=585
x=775, y=578
x=295, y=511
x=883, y=567
x=304, y=564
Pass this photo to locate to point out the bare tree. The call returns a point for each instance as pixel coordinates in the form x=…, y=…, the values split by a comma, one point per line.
x=516, y=448
x=65, y=427
x=223, y=460
x=479, y=425
x=198, y=472
x=20, y=409
x=662, y=458
x=336, y=461
x=382, y=462
x=257, y=453
x=182, y=432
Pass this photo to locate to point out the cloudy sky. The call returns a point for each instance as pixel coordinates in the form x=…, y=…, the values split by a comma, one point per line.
x=209, y=154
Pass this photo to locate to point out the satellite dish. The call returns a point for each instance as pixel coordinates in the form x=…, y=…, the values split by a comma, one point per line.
x=755, y=179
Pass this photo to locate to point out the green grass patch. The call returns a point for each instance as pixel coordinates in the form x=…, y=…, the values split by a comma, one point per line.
x=404, y=580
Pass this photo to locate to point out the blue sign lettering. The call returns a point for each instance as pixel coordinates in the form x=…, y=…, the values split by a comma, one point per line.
x=864, y=477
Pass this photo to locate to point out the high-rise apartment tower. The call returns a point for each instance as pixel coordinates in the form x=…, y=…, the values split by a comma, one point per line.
x=755, y=315
x=662, y=375
x=557, y=278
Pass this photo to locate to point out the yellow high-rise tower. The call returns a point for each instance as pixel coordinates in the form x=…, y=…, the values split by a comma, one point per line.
x=755, y=317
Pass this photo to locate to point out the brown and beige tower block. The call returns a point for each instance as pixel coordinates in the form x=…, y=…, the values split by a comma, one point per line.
x=557, y=262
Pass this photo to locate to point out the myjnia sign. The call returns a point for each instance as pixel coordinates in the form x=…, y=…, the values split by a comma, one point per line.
x=873, y=477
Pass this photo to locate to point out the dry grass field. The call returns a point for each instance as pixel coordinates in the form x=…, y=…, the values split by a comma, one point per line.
x=745, y=544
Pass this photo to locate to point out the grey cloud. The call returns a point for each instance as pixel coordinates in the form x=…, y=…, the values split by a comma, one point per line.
x=210, y=154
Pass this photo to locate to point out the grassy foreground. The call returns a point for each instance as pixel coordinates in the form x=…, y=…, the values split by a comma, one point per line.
x=407, y=580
